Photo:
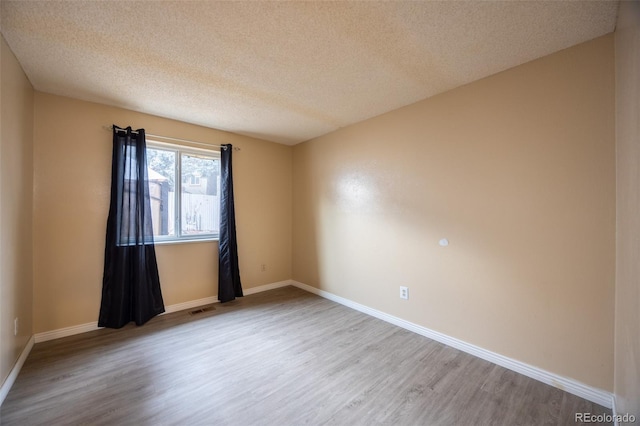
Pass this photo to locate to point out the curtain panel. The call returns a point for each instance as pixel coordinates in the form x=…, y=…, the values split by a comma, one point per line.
x=229, y=286
x=131, y=284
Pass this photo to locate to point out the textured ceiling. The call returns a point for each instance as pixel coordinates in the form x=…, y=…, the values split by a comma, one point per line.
x=283, y=71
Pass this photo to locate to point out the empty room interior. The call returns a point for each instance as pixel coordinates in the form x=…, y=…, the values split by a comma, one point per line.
x=435, y=204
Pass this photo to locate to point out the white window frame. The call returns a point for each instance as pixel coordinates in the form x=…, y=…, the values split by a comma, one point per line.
x=180, y=150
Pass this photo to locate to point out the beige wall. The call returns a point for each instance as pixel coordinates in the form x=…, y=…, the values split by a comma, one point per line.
x=16, y=207
x=518, y=171
x=72, y=181
x=627, y=314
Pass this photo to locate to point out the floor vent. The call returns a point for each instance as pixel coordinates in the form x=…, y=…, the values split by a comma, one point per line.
x=201, y=310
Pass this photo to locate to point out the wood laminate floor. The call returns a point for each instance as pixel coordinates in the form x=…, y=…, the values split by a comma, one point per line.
x=282, y=357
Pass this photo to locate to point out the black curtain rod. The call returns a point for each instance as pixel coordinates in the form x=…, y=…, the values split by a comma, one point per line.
x=210, y=145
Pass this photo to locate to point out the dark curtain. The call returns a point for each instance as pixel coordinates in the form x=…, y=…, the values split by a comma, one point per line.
x=130, y=285
x=229, y=286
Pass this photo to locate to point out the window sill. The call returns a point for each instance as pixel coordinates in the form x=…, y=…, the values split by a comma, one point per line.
x=185, y=241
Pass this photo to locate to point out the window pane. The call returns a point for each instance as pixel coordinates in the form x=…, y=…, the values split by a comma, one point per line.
x=161, y=165
x=200, y=203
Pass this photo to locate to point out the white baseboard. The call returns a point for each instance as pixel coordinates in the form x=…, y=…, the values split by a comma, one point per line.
x=190, y=304
x=575, y=387
x=67, y=331
x=13, y=374
x=266, y=287
x=90, y=326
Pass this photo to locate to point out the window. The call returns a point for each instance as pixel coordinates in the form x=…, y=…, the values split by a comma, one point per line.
x=184, y=187
x=194, y=180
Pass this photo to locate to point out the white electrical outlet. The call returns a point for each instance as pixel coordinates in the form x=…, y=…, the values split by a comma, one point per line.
x=15, y=326
x=404, y=292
